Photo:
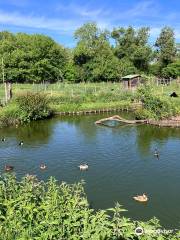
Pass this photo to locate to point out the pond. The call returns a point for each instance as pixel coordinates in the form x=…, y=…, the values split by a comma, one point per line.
x=121, y=162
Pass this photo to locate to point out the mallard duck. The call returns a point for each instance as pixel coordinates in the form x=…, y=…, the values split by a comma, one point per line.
x=43, y=166
x=21, y=143
x=141, y=198
x=8, y=168
x=83, y=166
x=3, y=139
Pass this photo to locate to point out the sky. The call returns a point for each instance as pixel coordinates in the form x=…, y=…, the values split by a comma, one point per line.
x=60, y=18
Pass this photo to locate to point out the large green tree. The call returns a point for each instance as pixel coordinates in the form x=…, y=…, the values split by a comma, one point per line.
x=133, y=45
x=166, y=47
x=94, y=55
x=32, y=58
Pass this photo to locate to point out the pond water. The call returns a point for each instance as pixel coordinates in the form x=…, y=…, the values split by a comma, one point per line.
x=121, y=162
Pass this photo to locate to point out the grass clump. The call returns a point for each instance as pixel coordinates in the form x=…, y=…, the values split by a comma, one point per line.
x=9, y=115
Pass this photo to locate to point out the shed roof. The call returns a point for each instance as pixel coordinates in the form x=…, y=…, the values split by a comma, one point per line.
x=131, y=76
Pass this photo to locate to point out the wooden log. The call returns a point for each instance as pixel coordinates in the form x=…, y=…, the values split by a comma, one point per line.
x=119, y=119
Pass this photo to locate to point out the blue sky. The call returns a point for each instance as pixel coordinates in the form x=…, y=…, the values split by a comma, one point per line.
x=59, y=18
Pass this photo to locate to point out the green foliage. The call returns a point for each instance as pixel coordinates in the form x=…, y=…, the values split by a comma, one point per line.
x=37, y=58
x=166, y=47
x=36, y=210
x=172, y=70
x=156, y=107
x=133, y=45
x=155, y=69
x=32, y=58
x=9, y=115
x=33, y=106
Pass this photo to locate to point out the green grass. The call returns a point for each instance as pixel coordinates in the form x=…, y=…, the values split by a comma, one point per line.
x=65, y=88
x=66, y=97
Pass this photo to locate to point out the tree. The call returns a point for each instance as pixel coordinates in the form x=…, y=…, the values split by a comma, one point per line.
x=172, y=70
x=133, y=45
x=32, y=58
x=166, y=47
x=94, y=55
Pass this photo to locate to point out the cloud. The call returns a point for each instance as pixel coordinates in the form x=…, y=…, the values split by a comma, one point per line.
x=144, y=8
x=67, y=18
x=85, y=11
x=32, y=21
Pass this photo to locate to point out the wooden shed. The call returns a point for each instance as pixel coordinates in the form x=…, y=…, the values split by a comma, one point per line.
x=131, y=81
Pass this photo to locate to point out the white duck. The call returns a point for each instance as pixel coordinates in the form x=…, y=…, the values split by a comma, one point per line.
x=83, y=167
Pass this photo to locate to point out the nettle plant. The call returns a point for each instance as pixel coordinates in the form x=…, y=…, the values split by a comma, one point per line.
x=37, y=210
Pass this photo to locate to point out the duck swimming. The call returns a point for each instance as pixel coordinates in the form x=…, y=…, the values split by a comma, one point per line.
x=3, y=139
x=21, y=143
x=141, y=198
x=8, y=168
x=83, y=166
x=156, y=153
x=43, y=166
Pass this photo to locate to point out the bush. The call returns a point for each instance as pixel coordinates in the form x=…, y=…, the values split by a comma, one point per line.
x=34, y=210
x=172, y=70
x=157, y=107
x=33, y=106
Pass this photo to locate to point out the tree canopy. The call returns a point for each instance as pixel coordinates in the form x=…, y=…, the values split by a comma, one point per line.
x=99, y=55
x=32, y=58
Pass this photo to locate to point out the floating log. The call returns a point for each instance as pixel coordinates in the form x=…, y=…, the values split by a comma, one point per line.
x=174, y=122
x=119, y=119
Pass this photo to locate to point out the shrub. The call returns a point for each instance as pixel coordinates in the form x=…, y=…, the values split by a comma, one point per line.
x=157, y=107
x=172, y=70
x=33, y=106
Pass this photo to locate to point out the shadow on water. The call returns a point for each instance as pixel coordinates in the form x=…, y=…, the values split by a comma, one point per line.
x=32, y=133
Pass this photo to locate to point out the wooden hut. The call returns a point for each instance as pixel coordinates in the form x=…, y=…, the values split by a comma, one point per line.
x=131, y=81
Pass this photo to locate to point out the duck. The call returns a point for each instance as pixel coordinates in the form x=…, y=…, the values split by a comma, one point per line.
x=21, y=143
x=83, y=166
x=156, y=153
x=3, y=139
x=141, y=198
x=43, y=166
x=8, y=168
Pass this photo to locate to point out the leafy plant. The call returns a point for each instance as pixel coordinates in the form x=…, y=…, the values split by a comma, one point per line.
x=33, y=106
x=37, y=210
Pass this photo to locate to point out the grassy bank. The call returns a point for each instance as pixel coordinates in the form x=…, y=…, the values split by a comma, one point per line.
x=63, y=97
x=34, y=210
x=66, y=98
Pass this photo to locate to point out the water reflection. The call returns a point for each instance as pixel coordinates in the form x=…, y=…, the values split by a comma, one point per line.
x=121, y=161
x=32, y=133
x=148, y=135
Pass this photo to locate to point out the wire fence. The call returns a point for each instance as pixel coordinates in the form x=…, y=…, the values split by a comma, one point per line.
x=64, y=88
